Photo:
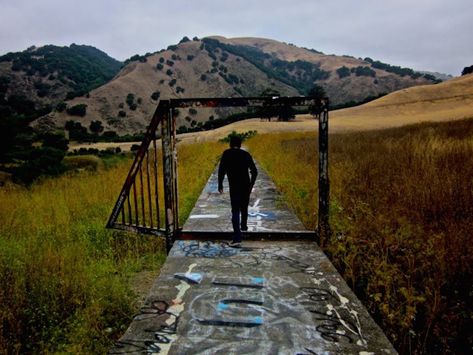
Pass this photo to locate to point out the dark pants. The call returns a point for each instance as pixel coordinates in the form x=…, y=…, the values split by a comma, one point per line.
x=240, y=198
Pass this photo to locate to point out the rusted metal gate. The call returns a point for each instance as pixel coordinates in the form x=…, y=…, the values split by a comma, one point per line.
x=152, y=180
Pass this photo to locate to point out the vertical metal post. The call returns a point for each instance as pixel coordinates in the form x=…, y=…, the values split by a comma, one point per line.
x=156, y=182
x=166, y=137
x=324, y=184
x=173, y=116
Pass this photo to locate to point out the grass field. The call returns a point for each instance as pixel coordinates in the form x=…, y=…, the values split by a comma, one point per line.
x=66, y=281
x=401, y=216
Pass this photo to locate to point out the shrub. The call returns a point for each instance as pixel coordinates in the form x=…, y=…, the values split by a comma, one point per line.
x=190, y=57
x=76, y=130
x=243, y=136
x=169, y=62
x=343, y=72
x=172, y=82
x=77, y=110
x=130, y=98
x=169, y=72
x=203, y=77
x=155, y=95
x=60, y=107
x=184, y=40
x=467, y=70
x=159, y=66
x=363, y=71
x=193, y=111
x=82, y=162
x=96, y=127
x=121, y=113
x=109, y=135
x=161, y=60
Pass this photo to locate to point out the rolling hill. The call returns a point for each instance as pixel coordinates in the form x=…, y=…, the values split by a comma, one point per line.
x=222, y=67
x=447, y=101
x=38, y=79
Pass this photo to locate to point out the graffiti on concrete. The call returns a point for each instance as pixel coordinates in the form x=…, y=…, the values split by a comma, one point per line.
x=226, y=305
x=160, y=338
x=191, y=277
x=241, y=281
x=206, y=249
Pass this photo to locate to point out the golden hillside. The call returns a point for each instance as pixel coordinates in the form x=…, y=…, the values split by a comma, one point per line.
x=448, y=101
x=225, y=68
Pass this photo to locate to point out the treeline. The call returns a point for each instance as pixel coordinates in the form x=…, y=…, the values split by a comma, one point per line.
x=299, y=74
x=79, y=133
x=26, y=155
x=81, y=67
x=399, y=70
x=213, y=123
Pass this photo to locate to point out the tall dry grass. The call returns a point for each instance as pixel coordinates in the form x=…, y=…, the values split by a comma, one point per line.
x=65, y=284
x=402, y=220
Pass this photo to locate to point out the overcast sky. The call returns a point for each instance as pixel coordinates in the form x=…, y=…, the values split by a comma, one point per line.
x=434, y=35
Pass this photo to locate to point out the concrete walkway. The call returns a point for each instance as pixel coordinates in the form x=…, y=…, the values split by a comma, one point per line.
x=267, y=210
x=265, y=298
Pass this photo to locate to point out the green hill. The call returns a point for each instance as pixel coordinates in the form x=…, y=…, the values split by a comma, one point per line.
x=40, y=78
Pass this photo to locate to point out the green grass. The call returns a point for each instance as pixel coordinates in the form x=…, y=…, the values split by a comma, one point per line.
x=65, y=283
x=401, y=215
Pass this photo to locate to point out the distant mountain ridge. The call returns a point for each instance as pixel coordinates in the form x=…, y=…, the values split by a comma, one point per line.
x=226, y=67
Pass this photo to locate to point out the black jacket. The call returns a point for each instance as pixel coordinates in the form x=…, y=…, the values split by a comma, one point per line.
x=236, y=163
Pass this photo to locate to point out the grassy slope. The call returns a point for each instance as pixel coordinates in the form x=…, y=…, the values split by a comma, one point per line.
x=65, y=278
x=402, y=215
x=58, y=262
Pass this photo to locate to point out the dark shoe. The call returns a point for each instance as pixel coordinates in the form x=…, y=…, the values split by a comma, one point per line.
x=235, y=245
x=244, y=228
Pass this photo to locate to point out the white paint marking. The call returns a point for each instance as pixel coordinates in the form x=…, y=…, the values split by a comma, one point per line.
x=175, y=309
x=202, y=216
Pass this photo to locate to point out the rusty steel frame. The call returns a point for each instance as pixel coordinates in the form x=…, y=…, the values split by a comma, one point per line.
x=165, y=116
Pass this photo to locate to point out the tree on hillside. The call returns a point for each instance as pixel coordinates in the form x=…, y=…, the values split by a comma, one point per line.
x=317, y=92
x=96, y=127
x=271, y=111
x=343, y=72
x=77, y=110
x=467, y=70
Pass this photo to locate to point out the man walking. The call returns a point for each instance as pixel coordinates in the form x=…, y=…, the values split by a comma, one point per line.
x=236, y=163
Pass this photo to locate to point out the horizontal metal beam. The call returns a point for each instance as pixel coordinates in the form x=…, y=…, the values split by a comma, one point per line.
x=255, y=236
x=245, y=101
x=139, y=229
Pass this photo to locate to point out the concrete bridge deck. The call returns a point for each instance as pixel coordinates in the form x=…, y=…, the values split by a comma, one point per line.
x=265, y=298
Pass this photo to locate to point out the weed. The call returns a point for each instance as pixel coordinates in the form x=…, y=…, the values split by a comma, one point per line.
x=65, y=283
x=402, y=216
